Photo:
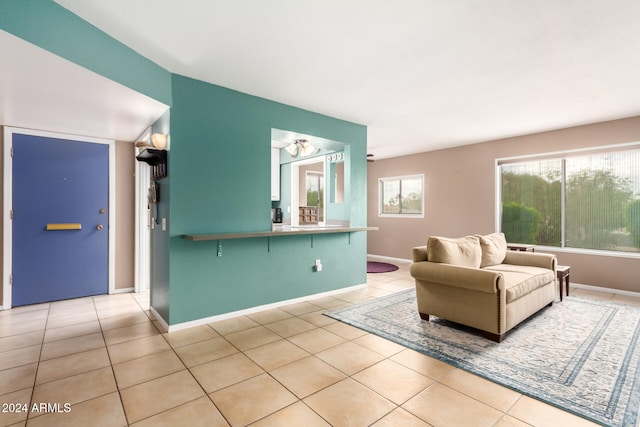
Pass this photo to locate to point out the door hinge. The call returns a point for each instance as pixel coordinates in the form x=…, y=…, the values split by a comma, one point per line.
x=11, y=151
x=11, y=279
x=11, y=214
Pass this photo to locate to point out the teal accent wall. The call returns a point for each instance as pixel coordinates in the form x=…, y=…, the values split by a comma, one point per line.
x=220, y=182
x=259, y=271
x=48, y=25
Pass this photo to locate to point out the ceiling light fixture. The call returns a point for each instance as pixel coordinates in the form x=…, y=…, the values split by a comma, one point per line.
x=158, y=141
x=292, y=149
x=302, y=147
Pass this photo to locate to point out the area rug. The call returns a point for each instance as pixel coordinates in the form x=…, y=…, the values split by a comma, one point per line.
x=580, y=355
x=380, y=267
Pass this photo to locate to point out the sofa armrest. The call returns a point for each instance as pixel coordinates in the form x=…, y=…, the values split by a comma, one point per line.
x=459, y=276
x=533, y=259
x=419, y=253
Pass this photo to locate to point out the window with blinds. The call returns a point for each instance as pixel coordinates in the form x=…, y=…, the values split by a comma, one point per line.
x=587, y=200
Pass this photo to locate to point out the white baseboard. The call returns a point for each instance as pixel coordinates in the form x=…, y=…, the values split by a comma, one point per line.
x=603, y=289
x=123, y=290
x=382, y=258
x=159, y=318
x=244, y=312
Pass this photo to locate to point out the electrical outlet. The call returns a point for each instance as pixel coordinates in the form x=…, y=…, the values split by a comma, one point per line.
x=318, y=266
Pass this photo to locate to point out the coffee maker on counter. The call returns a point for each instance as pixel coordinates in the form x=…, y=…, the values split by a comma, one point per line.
x=276, y=216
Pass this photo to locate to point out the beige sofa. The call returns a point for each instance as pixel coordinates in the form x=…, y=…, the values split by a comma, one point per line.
x=476, y=281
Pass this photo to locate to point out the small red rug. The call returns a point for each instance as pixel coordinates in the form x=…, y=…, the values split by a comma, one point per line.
x=380, y=267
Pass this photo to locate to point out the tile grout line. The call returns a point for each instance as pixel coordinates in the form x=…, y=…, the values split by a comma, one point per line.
x=173, y=350
x=113, y=372
x=301, y=399
x=264, y=371
x=161, y=333
x=298, y=399
x=196, y=379
x=35, y=378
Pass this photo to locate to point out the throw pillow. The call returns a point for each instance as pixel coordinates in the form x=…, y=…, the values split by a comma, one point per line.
x=464, y=251
x=494, y=249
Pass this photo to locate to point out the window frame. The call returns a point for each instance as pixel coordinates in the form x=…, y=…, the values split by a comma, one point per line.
x=382, y=181
x=561, y=155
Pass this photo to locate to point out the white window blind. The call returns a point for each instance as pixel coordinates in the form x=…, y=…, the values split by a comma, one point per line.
x=588, y=200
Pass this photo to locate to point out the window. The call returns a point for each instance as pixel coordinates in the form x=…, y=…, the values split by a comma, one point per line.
x=401, y=196
x=315, y=191
x=585, y=200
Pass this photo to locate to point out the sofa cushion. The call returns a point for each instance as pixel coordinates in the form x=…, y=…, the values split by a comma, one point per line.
x=494, y=249
x=464, y=251
x=521, y=280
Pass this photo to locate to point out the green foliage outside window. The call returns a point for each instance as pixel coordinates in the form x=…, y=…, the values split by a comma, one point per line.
x=544, y=195
x=633, y=221
x=315, y=197
x=596, y=205
x=520, y=223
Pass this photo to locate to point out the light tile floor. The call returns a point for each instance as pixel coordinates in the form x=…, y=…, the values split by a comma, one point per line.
x=108, y=361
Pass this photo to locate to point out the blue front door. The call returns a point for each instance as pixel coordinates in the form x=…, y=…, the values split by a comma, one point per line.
x=60, y=219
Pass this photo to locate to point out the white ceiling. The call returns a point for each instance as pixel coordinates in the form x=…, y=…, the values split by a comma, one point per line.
x=421, y=74
x=40, y=90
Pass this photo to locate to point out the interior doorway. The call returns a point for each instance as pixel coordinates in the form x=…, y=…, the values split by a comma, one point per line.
x=308, y=188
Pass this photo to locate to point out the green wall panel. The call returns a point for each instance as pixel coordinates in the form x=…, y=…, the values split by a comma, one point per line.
x=52, y=27
x=220, y=151
x=259, y=271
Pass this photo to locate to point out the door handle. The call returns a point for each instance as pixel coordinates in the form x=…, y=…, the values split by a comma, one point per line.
x=99, y=227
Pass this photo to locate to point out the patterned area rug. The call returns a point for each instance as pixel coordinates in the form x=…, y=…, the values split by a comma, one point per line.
x=380, y=267
x=580, y=355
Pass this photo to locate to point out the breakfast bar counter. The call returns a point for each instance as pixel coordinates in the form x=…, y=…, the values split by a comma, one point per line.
x=283, y=230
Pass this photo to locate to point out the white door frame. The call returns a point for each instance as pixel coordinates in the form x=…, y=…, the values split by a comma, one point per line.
x=7, y=260
x=142, y=224
x=295, y=186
